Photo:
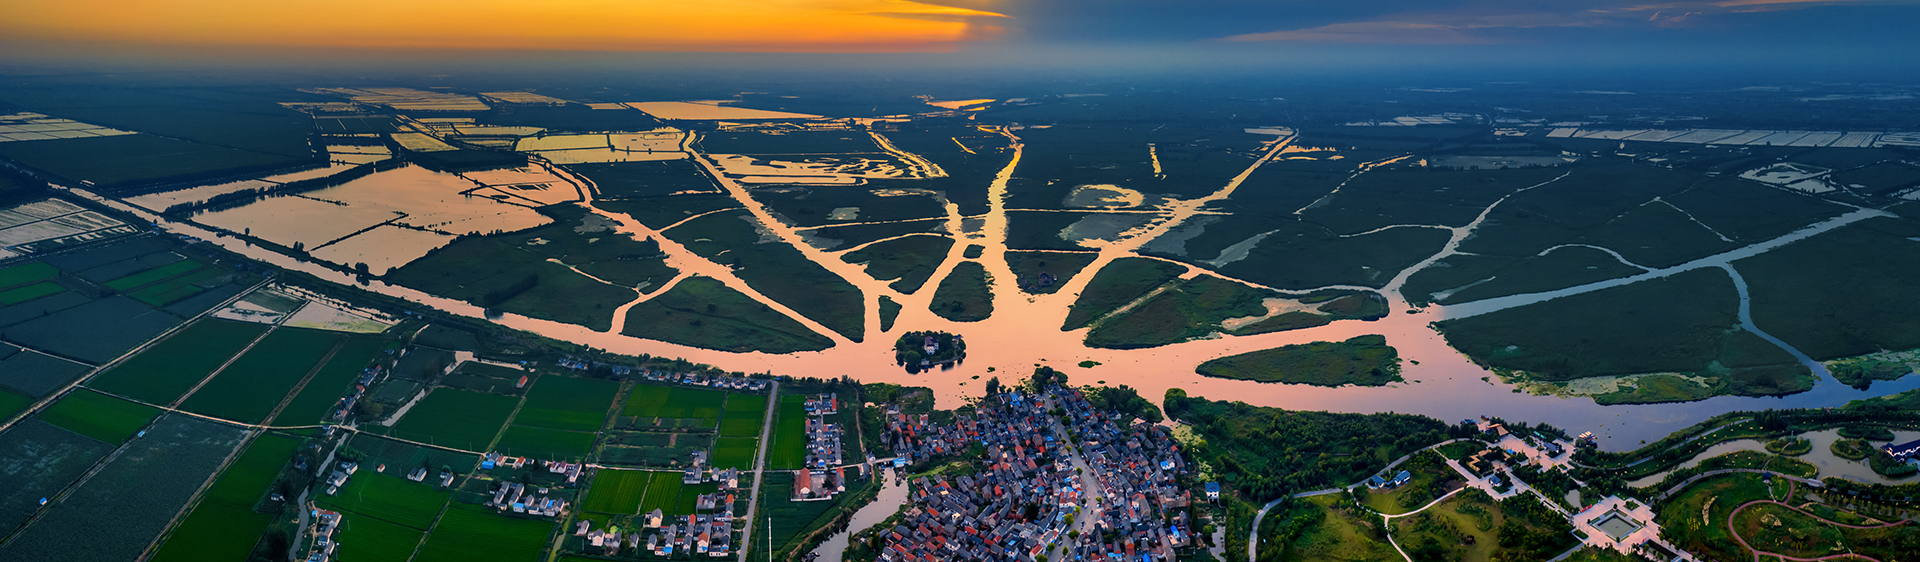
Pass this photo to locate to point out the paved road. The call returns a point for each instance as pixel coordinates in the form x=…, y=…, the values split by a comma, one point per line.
x=759, y=463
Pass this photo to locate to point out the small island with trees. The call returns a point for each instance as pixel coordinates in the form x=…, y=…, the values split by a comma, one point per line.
x=922, y=351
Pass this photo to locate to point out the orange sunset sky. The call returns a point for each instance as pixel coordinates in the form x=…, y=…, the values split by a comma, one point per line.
x=619, y=25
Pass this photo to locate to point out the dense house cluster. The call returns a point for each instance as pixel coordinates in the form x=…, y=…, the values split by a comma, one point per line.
x=818, y=484
x=1029, y=496
x=823, y=439
x=702, y=534
x=1137, y=468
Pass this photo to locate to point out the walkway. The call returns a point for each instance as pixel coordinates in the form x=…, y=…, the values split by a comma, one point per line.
x=1253, y=535
x=1711, y=473
x=1790, y=489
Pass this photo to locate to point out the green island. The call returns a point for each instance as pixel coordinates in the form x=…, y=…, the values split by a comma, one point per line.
x=1362, y=360
x=918, y=351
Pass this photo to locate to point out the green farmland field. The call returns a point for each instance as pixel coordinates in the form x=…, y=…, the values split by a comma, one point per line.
x=368, y=539
x=250, y=388
x=789, y=448
x=387, y=497
x=224, y=526
x=172, y=290
x=152, y=275
x=456, y=418
x=649, y=401
x=12, y=297
x=471, y=532
x=735, y=452
x=316, y=400
x=165, y=371
x=27, y=273
x=542, y=443
x=214, y=531
x=12, y=402
x=557, y=402
x=746, y=413
x=662, y=492
x=99, y=416
x=617, y=491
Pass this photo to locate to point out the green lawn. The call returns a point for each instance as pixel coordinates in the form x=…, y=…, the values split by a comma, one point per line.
x=617, y=491
x=99, y=416
x=250, y=388
x=456, y=418
x=789, y=448
x=557, y=402
x=542, y=443
x=470, y=532
x=165, y=371
x=388, y=497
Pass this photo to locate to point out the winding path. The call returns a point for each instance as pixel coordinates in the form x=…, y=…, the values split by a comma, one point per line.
x=1757, y=553
x=1253, y=535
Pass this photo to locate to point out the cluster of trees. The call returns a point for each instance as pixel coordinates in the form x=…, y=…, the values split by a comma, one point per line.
x=1122, y=399
x=1270, y=452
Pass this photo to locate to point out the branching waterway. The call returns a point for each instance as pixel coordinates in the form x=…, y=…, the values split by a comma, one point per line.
x=1024, y=329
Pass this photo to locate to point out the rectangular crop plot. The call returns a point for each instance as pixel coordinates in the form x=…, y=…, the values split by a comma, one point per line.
x=224, y=526
x=165, y=371
x=789, y=448
x=315, y=401
x=557, y=402
x=37, y=374
x=456, y=418
x=370, y=539
x=19, y=295
x=649, y=401
x=662, y=493
x=178, y=288
x=26, y=273
x=96, y=332
x=471, y=532
x=617, y=491
x=12, y=403
x=124, y=506
x=37, y=459
x=152, y=275
x=99, y=416
x=735, y=452
x=391, y=498
x=394, y=453
x=746, y=414
x=542, y=443
x=250, y=388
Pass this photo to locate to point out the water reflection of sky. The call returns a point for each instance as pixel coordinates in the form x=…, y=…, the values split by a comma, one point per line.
x=1024, y=329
